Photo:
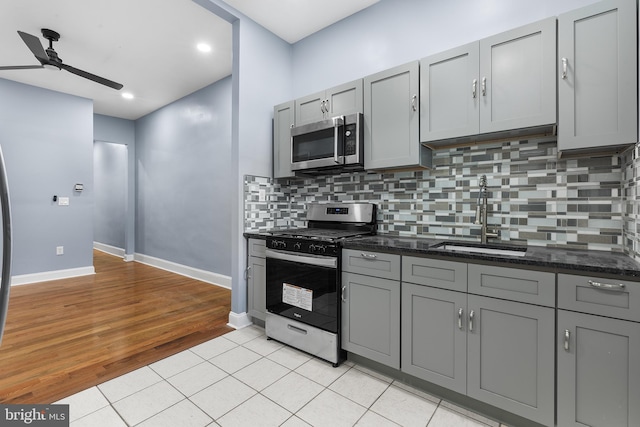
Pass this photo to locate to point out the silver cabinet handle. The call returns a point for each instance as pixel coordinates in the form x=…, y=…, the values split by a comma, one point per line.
x=368, y=256
x=247, y=274
x=607, y=286
x=484, y=86
x=567, y=338
x=564, y=68
x=474, y=88
x=414, y=102
x=327, y=106
x=460, y=313
x=338, y=122
x=471, y=316
x=344, y=288
x=322, y=107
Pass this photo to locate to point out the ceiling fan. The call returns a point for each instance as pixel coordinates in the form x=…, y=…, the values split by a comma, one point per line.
x=50, y=59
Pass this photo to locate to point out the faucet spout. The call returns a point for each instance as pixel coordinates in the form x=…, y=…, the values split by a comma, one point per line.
x=481, y=212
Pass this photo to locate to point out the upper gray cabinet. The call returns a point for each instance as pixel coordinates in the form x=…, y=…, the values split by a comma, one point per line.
x=337, y=101
x=283, y=121
x=391, y=119
x=597, y=76
x=449, y=88
x=501, y=83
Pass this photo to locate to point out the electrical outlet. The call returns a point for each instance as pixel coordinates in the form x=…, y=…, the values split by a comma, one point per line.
x=63, y=201
x=59, y=250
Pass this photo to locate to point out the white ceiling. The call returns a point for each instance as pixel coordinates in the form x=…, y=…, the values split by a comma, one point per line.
x=147, y=45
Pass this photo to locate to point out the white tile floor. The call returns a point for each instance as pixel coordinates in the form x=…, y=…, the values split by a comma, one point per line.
x=242, y=379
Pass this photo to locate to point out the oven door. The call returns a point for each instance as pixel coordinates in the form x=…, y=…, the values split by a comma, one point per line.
x=304, y=288
x=318, y=145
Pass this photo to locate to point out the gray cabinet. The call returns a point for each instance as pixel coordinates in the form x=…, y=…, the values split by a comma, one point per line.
x=434, y=335
x=598, y=371
x=391, y=120
x=500, y=83
x=517, y=75
x=256, y=279
x=597, y=76
x=337, y=101
x=449, y=102
x=371, y=306
x=511, y=356
x=283, y=121
x=497, y=351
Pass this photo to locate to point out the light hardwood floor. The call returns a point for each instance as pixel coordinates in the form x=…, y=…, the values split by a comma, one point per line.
x=67, y=335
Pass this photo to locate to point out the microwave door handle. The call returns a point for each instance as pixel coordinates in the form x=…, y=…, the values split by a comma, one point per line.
x=338, y=122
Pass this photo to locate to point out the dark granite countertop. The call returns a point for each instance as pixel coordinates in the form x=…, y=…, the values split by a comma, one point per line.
x=574, y=261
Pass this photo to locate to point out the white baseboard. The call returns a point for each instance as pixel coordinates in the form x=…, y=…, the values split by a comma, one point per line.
x=239, y=321
x=111, y=250
x=194, y=273
x=25, y=279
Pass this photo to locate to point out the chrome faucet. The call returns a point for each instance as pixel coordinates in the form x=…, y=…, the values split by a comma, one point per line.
x=481, y=212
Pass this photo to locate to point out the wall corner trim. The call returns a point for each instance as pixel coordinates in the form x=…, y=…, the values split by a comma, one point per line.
x=239, y=320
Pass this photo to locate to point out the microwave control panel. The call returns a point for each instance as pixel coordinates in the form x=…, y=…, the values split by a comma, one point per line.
x=350, y=139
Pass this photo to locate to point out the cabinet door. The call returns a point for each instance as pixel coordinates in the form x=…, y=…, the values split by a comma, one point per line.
x=344, y=99
x=598, y=371
x=511, y=357
x=517, y=78
x=283, y=120
x=371, y=318
x=597, y=88
x=256, y=288
x=449, y=94
x=434, y=335
x=310, y=108
x=391, y=118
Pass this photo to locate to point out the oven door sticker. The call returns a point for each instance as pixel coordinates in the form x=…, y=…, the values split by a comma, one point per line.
x=297, y=296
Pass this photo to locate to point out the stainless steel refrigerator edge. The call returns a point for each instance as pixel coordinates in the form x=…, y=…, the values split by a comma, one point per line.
x=5, y=283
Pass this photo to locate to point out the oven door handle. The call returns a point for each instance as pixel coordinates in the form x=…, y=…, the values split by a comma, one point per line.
x=321, y=261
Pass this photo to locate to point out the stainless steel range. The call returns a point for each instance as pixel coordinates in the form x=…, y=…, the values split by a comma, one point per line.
x=303, y=277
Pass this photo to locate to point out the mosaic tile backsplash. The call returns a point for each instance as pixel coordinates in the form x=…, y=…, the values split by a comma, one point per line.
x=534, y=197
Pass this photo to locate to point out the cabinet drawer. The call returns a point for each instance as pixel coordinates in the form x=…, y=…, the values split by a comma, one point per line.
x=594, y=295
x=257, y=248
x=434, y=272
x=386, y=266
x=533, y=287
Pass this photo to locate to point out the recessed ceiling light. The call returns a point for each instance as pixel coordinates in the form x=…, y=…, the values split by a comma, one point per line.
x=127, y=95
x=203, y=47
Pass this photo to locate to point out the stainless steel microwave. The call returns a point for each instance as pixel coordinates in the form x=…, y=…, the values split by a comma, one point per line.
x=328, y=146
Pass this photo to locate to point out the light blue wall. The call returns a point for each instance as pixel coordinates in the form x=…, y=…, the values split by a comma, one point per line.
x=262, y=77
x=183, y=165
x=47, y=139
x=108, y=131
x=393, y=32
x=110, y=183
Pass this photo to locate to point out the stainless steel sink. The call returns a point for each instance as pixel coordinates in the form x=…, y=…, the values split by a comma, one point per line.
x=487, y=250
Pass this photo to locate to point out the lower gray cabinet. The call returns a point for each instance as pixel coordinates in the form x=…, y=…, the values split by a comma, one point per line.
x=598, y=373
x=371, y=318
x=256, y=280
x=434, y=335
x=511, y=356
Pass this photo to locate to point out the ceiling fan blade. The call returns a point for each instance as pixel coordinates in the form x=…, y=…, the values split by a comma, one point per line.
x=34, y=45
x=86, y=75
x=21, y=67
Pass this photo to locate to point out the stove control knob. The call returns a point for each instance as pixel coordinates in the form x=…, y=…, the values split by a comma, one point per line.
x=282, y=244
x=298, y=246
x=312, y=248
x=322, y=249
